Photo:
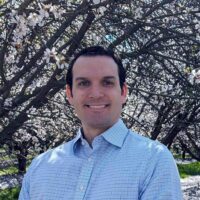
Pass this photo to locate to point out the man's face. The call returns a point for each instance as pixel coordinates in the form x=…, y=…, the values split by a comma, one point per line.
x=96, y=94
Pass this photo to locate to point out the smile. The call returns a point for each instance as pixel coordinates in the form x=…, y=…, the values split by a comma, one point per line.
x=97, y=106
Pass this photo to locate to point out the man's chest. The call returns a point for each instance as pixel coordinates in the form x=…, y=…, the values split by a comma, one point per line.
x=90, y=178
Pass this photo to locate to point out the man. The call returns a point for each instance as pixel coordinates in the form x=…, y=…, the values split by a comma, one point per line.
x=105, y=160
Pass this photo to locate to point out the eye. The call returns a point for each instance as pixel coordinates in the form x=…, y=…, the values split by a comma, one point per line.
x=84, y=83
x=108, y=83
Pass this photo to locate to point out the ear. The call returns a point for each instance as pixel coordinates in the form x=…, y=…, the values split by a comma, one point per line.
x=124, y=93
x=69, y=94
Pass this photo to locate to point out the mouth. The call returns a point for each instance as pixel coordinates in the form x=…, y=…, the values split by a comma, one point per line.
x=97, y=107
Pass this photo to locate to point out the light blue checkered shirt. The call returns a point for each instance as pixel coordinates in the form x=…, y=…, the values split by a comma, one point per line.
x=121, y=165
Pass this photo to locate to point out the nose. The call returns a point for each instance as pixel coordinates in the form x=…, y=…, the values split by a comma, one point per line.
x=96, y=92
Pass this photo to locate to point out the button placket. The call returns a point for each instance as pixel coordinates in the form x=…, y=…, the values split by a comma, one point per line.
x=84, y=178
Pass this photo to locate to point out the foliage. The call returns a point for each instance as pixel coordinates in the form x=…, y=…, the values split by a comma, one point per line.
x=158, y=41
x=190, y=169
x=9, y=194
x=10, y=170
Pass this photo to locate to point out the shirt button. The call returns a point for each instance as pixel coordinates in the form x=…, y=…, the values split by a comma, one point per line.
x=89, y=159
x=83, y=143
x=81, y=188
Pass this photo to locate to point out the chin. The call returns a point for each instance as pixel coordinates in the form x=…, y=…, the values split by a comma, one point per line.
x=101, y=124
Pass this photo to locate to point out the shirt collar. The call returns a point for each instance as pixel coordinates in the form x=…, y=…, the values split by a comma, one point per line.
x=77, y=139
x=114, y=135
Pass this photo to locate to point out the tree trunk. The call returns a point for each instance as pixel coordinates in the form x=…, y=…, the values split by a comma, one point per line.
x=22, y=161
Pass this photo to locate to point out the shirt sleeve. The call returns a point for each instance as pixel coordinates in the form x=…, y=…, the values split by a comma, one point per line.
x=161, y=180
x=24, y=193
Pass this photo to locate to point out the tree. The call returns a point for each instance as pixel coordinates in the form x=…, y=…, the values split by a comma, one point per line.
x=158, y=41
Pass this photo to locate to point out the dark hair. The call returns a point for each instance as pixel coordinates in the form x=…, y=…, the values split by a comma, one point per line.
x=96, y=51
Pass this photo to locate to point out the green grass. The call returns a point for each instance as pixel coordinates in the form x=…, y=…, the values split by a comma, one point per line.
x=190, y=169
x=9, y=157
x=1, y=149
x=10, y=170
x=5, y=158
x=9, y=194
x=179, y=156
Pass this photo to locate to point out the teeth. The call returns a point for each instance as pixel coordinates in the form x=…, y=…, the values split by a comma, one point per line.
x=100, y=106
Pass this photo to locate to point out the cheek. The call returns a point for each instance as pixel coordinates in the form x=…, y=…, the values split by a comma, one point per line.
x=118, y=102
x=78, y=100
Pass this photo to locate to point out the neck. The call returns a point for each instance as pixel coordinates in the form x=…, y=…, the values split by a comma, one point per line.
x=90, y=133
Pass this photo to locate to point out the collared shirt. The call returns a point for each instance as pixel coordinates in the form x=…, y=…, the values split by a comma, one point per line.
x=120, y=164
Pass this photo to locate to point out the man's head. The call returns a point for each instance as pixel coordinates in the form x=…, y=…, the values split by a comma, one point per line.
x=96, y=88
x=96, y=51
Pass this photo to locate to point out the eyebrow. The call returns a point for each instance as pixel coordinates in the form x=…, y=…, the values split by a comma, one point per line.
x=80, y=78
x=109, y=77
x=85, y=78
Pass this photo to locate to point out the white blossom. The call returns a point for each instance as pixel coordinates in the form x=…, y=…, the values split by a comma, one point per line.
x=194, y=77
x=102, y=9
x=34, y=139
x=57, y=12
x=138, y=13
x=62, y=64
x=3, y=35
x=33, y=19
x=49, y=53
x=197, y=77
x=21, y=82
x=27, y=137
x=147, y=28
x=32, y=110
x=10, y=59
x=43, y=13
x=98, y=1
x=8, y=102
x=197, y=26
x=198, y=37
x=21, y=29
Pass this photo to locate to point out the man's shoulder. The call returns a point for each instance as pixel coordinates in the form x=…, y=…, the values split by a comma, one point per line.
x=149, y=151
x=146, y=144
x=55, y=154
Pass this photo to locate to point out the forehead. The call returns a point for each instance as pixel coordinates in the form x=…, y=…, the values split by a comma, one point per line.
x=95, y=65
